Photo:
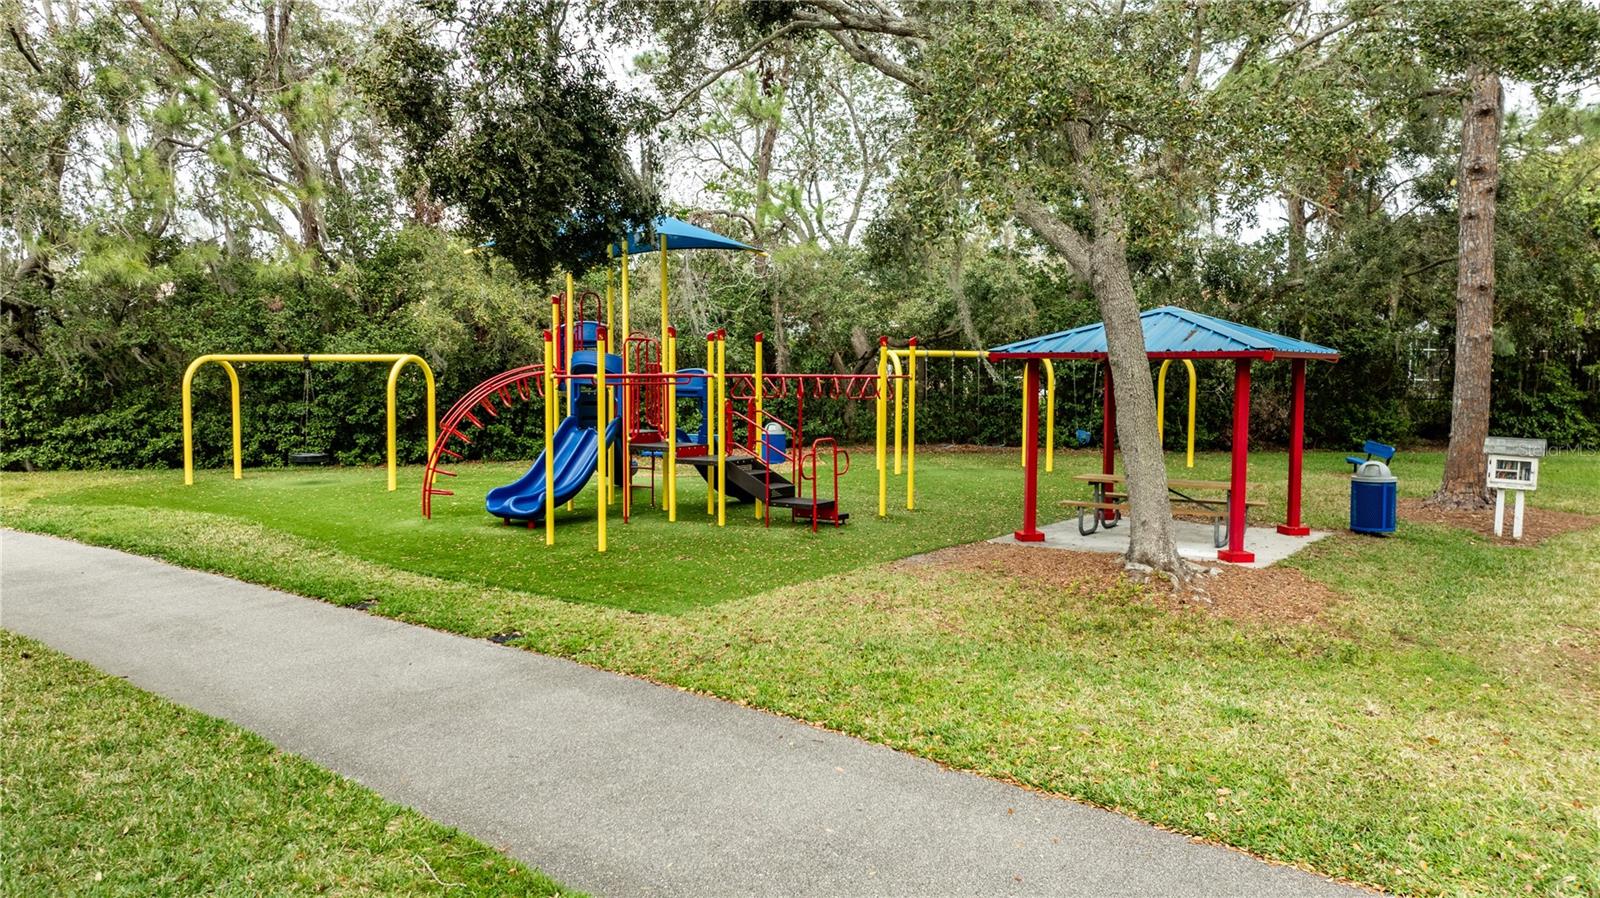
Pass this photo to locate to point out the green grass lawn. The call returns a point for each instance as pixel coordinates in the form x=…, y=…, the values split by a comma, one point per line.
x=109, y=790
x=651, y=565
x=1433, y=732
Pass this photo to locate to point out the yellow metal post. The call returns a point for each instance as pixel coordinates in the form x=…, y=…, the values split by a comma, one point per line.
x=627, y=327
x=570, y=344
x=761, y=435
x=604, y=420
x=188, y=419
x=568, y=341
x=911, y=429
x=1049, y=416
x=713, y=419
x=670, y=475
x=1190, y=451
x=883, y=423
x=389, y=406
x=1161, y=406
x=899, y=409
x=549, y=376
x=722, y=431
x=627, y=452
x=611, y=399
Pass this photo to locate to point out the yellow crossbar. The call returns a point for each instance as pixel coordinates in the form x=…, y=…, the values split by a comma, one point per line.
x=396, y=362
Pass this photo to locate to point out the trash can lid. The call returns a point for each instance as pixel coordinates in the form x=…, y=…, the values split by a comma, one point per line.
x=1373, y=471
x=774, y=427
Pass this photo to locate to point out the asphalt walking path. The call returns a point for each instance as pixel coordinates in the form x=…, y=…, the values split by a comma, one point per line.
x=610, y=784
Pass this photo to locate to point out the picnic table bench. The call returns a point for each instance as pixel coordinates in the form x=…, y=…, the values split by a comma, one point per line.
x=1110, y=502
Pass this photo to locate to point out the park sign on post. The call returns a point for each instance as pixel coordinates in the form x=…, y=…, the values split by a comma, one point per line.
x=1513, y=465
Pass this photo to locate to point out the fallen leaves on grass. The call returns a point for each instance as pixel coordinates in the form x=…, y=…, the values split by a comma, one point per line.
x=1538, y=524
x=1273, y=595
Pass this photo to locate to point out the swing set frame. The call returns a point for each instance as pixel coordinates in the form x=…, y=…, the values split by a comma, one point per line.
x=396, y=362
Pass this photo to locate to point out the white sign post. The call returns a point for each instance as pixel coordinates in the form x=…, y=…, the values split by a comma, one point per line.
x=1514, y=466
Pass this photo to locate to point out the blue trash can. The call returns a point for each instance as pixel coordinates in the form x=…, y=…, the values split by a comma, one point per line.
x=774, y=443
x=1374, y=495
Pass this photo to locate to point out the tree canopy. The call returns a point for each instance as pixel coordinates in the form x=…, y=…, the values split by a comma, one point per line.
x=285, y=176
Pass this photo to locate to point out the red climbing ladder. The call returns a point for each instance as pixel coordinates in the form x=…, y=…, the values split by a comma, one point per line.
x=487, y=399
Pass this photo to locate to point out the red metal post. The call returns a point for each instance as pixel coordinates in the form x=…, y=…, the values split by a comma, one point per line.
x=1241, y=451
x=1030, y=457
x=559, y=325
x=1108, y=430
x=1297, y=447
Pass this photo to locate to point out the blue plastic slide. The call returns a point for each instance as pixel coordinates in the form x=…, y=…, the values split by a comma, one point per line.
x=576, y=446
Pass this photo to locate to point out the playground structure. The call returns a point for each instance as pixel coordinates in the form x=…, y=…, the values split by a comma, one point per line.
x=634, y=399
x=606, y=413
x=611, y=404
x=396, y=361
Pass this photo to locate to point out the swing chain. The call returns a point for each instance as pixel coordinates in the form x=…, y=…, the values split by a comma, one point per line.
x=305, y=399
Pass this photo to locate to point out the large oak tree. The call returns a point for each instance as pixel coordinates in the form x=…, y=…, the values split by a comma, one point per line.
x=1103, y=129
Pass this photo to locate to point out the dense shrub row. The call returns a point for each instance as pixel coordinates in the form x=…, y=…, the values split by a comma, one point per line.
x=97, y=384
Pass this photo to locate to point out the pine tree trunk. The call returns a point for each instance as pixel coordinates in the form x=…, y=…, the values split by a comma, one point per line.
x=1477, y=182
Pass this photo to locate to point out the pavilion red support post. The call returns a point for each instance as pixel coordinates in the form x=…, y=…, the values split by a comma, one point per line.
x=1108, y=432
x=1241, y=455
x=1297, y=447
x=1030, y=457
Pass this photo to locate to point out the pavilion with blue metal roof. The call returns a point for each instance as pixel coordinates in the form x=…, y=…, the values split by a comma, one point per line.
x=1171, y=333
x=1174, y=333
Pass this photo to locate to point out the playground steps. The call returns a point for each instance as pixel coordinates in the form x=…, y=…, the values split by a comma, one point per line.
x=749, y=475
x=748, y=480
x=802, y=508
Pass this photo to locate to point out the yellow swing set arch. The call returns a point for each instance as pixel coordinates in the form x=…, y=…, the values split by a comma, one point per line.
x=1161, y=406
x=396, y=361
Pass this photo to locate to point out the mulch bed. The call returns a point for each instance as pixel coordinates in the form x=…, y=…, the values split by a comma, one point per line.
x=1274, y=595
x=1538, y=524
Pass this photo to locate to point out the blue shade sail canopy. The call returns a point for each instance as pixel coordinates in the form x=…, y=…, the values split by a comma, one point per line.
x=1171, y=332
x=680, y=235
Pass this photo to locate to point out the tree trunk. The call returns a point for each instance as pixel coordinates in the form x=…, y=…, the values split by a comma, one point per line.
x=958, y=295
x=1104, y=264
x=778, y=338
x=1477, y=181
x=1149, y=519
x=1294, y=283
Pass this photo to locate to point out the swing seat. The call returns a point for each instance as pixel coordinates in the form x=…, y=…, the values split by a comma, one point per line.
x=1085, y=438
x=310, y=459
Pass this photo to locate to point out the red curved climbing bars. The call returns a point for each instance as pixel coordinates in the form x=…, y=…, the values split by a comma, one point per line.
x=499, y=392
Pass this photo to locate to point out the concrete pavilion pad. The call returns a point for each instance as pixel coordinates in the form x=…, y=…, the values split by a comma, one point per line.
x=1194, y=541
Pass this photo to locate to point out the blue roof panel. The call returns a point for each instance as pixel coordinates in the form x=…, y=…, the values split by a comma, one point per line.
x=680, y=235
x=1173, y=331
